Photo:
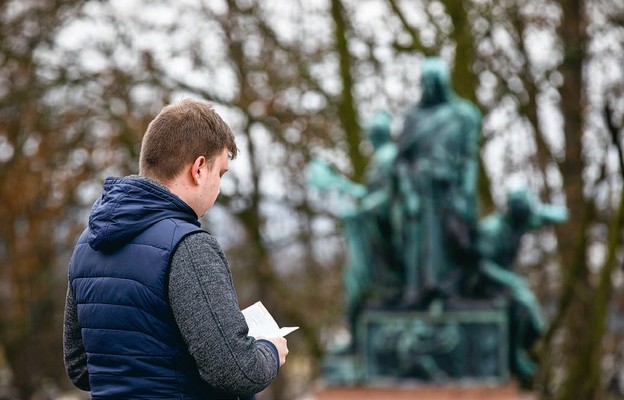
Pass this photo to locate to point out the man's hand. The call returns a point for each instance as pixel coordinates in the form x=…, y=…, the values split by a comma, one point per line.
x=282, y=348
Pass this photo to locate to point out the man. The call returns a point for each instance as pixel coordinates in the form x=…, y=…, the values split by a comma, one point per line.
x=370, y=277
x=499, y=239
x=151, y=310
x=436, y=180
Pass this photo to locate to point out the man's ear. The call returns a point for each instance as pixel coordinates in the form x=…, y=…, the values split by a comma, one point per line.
x=196, y=169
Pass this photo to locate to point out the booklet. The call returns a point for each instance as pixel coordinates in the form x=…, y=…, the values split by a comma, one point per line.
x=262, y=324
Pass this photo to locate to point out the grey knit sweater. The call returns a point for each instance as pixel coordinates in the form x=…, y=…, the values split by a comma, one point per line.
x=206, y=310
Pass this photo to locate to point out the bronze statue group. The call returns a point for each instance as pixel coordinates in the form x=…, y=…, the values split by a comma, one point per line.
x=414, y=235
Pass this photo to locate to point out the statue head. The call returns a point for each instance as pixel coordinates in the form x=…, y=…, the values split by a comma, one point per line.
x=526, y=211
x=378, y=129
x=519, y=206
x=436, y=82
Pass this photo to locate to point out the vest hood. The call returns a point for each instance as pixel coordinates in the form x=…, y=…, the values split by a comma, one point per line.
x=130, y=205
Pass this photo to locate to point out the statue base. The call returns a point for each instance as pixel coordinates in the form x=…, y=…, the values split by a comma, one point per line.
x=466, y=343
x=420, y=392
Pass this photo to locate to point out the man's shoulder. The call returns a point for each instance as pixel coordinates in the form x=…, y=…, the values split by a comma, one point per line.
x=197, y=248
x=198, y=235
x=199, y=239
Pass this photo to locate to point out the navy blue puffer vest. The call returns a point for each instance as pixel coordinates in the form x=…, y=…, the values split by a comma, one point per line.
x=119, y=276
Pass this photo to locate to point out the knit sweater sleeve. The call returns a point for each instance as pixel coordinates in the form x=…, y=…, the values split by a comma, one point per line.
x=205, y=307
x=74, y=354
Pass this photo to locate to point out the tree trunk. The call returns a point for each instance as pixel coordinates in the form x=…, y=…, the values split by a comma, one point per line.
x=346, y=105
x=580, y=342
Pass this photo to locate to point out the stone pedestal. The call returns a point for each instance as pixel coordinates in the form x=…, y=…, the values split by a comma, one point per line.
x=455, y=346
x=421, y=392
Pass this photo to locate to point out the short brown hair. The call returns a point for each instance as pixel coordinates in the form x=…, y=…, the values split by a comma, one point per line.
x=179, y=134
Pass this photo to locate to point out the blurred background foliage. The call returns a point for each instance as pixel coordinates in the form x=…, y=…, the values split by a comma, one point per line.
x=80, y=81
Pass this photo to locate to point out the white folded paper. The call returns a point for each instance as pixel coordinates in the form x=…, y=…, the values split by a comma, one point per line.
x=262, y=324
